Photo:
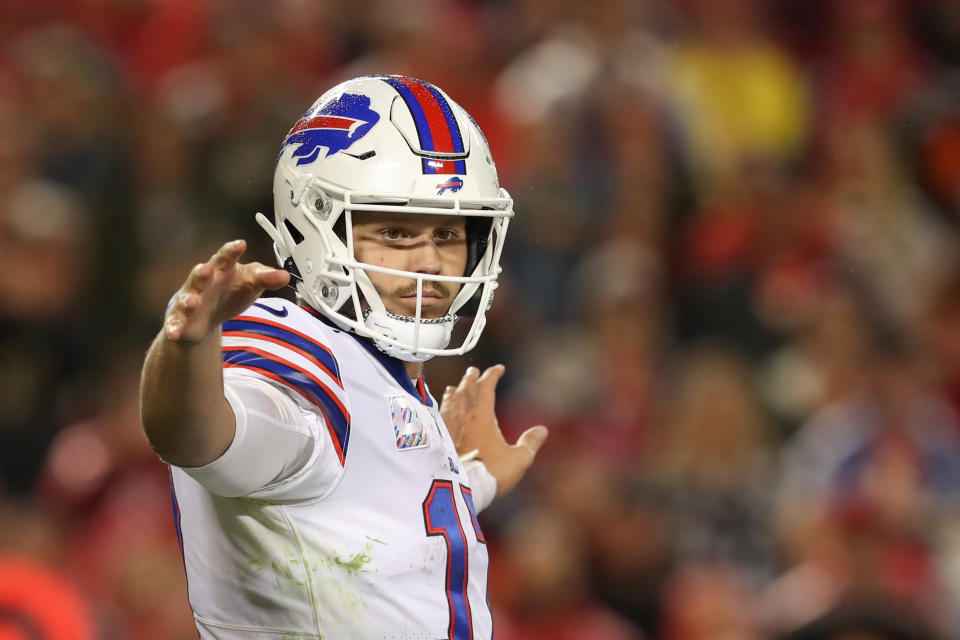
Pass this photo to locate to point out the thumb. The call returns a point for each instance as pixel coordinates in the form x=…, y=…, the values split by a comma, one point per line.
x=269, y=278
x=533, y=438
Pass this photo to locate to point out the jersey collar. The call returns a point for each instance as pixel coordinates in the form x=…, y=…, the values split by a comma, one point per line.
x=394, y=366
x=398, y=372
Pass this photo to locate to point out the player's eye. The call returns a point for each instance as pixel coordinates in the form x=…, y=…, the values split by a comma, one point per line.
x=393, y=233
x=446, y=235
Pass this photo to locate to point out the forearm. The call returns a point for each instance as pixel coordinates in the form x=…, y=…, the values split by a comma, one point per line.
x=185, y=415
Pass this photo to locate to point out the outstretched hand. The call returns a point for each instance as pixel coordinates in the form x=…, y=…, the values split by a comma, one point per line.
x=216, y=291
x=468, y=411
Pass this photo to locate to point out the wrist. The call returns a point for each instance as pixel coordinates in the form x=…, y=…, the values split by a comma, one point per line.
x=193, y=342
x=483, y=484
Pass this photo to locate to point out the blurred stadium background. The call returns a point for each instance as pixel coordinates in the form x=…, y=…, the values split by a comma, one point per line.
x=732, y=291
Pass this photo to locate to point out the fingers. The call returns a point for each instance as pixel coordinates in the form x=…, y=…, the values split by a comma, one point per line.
x=172, y=328
x=450, y=398
x=268, y=278
x=526, y=448
x=473, y=381
x=467, y=389
x=188, y=301
x=203, y=274
x=474, y=392
x=184, y=304
x=172, y=332
x=183, y=320
x=532, y=439
x=228, y=254
x=199, y=278
x=469, y=379
x=510, y=466
x=487, y=383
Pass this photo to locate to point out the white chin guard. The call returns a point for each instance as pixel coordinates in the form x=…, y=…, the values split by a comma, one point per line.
x=431, y=333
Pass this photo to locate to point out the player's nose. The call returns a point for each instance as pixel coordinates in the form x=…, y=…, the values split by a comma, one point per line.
x=425, y=258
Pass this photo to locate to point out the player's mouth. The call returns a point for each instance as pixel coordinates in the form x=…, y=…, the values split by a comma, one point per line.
x=430, y=297
x=435, y=299
x=434, y=303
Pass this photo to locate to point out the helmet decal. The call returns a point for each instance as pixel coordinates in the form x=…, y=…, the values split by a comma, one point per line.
x=452, y=185
x=436, y=125
x=335, y=127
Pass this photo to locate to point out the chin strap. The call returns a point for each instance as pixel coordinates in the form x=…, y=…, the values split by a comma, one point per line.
x=434, y=333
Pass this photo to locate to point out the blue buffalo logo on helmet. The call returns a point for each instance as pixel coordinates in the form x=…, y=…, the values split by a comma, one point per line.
x=453, y=185
x=335, y=127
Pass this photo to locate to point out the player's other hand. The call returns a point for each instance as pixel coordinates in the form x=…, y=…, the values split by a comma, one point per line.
x=468, y=411
x=217, y=290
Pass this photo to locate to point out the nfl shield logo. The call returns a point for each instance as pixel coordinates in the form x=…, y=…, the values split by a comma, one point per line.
x=406, y=424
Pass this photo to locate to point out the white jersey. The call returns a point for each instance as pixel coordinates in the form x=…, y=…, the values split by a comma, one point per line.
x=374, y=535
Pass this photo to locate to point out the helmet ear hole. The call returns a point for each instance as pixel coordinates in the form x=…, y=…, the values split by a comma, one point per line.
x=478, y=237
x=293, y=231
x=340, y=229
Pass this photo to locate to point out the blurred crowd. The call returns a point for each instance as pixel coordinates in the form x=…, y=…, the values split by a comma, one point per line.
x=731, y=290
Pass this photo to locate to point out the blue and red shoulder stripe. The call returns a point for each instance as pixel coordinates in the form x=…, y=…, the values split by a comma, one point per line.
x=317, y=386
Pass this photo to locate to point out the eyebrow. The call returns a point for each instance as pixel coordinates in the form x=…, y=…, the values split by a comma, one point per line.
x=405, y=219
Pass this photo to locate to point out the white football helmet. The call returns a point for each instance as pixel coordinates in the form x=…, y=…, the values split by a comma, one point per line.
x=392, y=144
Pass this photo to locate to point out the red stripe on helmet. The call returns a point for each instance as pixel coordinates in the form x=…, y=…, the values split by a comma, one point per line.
x=322, y=122
x=439, y=129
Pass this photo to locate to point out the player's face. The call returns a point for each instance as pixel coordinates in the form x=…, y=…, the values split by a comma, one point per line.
x=421, y=243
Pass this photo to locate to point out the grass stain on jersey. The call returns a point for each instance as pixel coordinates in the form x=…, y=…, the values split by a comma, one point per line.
x=355, y=563
x=284, y=573
x=335, y=575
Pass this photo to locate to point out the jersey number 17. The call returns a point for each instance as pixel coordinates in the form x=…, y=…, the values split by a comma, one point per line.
x=441, y=518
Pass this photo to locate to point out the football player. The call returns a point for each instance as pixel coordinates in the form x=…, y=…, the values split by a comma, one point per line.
x=320, y=489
